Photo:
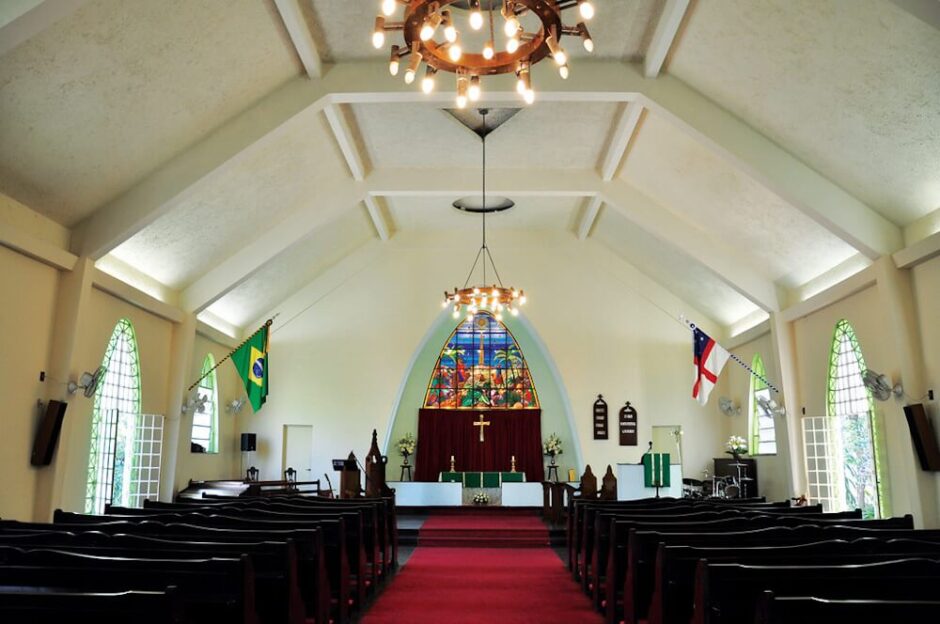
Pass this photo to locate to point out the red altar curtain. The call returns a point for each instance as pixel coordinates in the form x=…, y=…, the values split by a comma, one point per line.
x=442, y=433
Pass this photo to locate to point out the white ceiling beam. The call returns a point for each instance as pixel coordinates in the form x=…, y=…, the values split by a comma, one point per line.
x=663, y=36
x=919, y=252
x=36, y=248
x=382, y=226
x=346, y=141
x=267, y=245
x=20, y=21
x=776, y=169
x=433, y=182
x=297, y=23
x=927, y=11
x=659, y=222
x=589, y=216
x=620, y=139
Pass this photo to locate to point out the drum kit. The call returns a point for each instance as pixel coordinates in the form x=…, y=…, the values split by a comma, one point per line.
x=732, y=486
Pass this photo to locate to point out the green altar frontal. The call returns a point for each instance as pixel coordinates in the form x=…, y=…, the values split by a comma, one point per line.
x=482, y=479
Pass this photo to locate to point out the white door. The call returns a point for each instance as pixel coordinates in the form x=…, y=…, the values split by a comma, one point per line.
x=298, y=451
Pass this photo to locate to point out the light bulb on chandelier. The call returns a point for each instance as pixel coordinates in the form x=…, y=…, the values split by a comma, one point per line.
x=378, y=33
x=512, y=45
x=427, y=83
x=393, y=61
x=454, y=51
x=476, y=16
x=450, y=31
x=586, y=9
x=474, y=91
x=488, y=51
x=388, y=7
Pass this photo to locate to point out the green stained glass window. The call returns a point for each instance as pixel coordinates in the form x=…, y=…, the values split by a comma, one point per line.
x=481, y=366
x=117, y=395
x=205, y=430
x=856, y=438
x=763, y=431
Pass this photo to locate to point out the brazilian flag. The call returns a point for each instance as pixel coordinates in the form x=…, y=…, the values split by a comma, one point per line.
x=251, y=360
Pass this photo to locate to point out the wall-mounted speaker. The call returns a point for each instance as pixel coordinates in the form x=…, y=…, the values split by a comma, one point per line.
x=249, y=441
x=923, y=436
x=47, y=436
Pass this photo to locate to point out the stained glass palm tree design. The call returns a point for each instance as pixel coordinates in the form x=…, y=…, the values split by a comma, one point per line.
x=481, y=365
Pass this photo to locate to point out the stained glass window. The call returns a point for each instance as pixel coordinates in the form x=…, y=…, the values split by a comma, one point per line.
x=855, y=440
x=481, y=366
x=205, y=420
x=117, y=396
x=763, y=431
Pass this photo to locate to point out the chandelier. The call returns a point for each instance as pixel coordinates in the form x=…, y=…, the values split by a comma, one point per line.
x=495, y=298
x=532, y=30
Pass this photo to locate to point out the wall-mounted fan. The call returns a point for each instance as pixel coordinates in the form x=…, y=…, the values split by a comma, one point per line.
x=880, y=386
x=728, y=408
x=195, y=404
x=235, y=405
x=88, y=382
x=770, y=408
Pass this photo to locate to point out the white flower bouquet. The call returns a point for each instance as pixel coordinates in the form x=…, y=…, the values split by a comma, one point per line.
x=736, y=446
x=552, y=446
x=406, y=446
x=480, y=498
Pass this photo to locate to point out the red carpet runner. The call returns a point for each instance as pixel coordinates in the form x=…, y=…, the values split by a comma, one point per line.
x=476, y=584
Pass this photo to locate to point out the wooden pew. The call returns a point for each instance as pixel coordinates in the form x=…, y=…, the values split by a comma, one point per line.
x=361, y=577
x=676, y=565
x=49, y=606
x=608, y=563
x=772, y=609
x=211, y=589
x=631, y=565
x=277, y=589
x=322, y=573
x=728, y=593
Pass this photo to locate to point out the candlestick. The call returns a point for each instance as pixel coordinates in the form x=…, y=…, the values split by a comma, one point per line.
x=513, y=463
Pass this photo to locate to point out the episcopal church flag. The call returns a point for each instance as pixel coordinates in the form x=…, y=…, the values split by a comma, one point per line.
x=708, y=360
x=251, y=360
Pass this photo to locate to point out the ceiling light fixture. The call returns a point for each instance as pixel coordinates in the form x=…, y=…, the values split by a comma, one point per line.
x=493, y=297
x=533, y=29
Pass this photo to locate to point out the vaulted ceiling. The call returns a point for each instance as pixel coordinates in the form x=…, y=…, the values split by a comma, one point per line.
x=228, y=152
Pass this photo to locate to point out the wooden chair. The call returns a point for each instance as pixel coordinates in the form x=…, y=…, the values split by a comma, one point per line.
x=290, y=476
x=608, y=486
x=588, y=487
x=252, y=475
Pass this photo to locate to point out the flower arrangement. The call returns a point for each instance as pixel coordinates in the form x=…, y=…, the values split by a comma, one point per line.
x=736, y=446
x=552, y=446
x=406, y=446
x=480, y=498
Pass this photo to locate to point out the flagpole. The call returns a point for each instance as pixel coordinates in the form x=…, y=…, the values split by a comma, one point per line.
x=267, y=323
x=693, y=327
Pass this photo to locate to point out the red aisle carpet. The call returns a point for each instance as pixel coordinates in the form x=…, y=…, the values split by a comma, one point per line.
x=475, y=584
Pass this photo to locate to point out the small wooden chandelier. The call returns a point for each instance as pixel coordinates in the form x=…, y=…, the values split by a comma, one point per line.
x=522, y=48
x=495, y=297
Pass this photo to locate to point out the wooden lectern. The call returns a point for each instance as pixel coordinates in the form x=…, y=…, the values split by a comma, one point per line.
x=349, y=478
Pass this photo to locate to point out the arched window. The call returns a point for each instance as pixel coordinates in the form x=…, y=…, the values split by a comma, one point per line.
x=853, y=432
x=206, y=418
x=481, y=366
x=114, y=419
x=763, y=431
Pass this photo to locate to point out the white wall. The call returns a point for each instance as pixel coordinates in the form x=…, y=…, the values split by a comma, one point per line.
x=26, y=317
x=339, y=363
x=926, y=278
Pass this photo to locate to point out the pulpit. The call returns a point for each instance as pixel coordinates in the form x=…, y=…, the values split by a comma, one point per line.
x=631, y=482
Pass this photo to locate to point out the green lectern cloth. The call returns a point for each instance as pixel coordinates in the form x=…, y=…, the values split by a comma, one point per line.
x=656, y=470
x=512, y=477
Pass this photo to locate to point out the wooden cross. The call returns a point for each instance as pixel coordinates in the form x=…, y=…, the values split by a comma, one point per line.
x=481, y=423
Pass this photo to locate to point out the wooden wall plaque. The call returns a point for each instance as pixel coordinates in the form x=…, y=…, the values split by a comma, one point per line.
x=600, y=418
x=628, y=425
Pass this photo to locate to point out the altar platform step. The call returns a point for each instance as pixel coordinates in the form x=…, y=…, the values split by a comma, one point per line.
x=500, y=528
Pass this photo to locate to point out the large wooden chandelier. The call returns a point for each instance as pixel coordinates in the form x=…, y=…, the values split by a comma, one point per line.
x=531, y=29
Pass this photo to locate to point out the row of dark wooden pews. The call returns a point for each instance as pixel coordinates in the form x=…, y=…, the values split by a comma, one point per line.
x=671, y=561
x=288, y=559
